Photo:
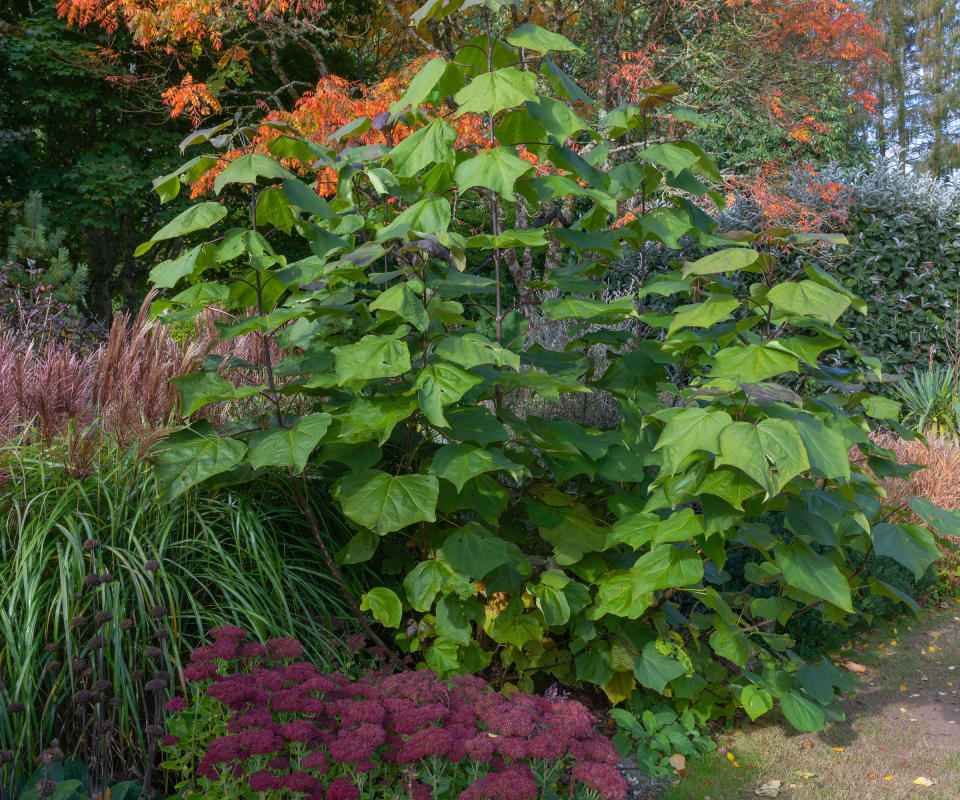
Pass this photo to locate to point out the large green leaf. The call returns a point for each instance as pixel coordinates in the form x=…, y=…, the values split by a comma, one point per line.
x=727, y=260
x=654, y=669
x=492, y=92
x=533, y=37
x=703, y=315
x=458, y=463
x=583, y=308
x=771, y=452
x=430, y=215
x=288, y=447
x=801, y=712
x=813, y=573
x=557, y=119
x=166, y=274
x=431, y=144
x=303, y=197
x=202, y=388
x=385, y=606
x=385, y=503
x=755, y=701
x=827, y=450
x=515, y=628
x=248, y=169
x=752, y=363
x=421, y=85
x=808, y=299
x=689, y=430
x=668, y=156
x=474, y=551
x=496, y=169
x=195, y=218
x=404, y=301
x=628, y=593
x=192, y=455
x=944, y=522
x=910, y=545
x=424, y=581
x=472, y=349
x=372, y=357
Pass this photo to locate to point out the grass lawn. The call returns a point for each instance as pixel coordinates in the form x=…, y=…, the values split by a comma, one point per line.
x=902, y=723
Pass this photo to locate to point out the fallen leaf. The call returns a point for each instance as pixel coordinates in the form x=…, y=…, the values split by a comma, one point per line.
x=808, y=745
x=853, y=666
x=921, y=781
x=769, y=789
x=872, y=775
x=903, y=688
x=678, y=761
x=805, y=775
x=838, y=749
x=881, y=747
x=888, y=777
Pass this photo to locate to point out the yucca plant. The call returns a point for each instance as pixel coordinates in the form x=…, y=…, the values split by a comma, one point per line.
x=931, y=401
x=231, y=557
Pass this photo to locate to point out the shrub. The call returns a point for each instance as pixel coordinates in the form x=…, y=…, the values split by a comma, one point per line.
x=278, y=724
x=537, y=550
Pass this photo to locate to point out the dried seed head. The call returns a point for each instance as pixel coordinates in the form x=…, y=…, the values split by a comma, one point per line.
x=162, y=674
x=77, y=596
x=126, y=624
x=114, y=702
x=46, y=789
x=90, y=581
x=151, y=565
x=102, y=687
x=153, y=653
x=53, y=666
x=158, y=612
x=16, y=707
x=97, y=643
x=102, y=618
x=106, y=725
x=79, y=664
x=87, y=673
x=53, y=754
x=138, y=675
x=91, y=544
x=154, y=731
x=156, y=685
x=162, y=633
x=6, y=756
x=107, y=578
x=83, y=696
x=78, y=620
x=51, y=647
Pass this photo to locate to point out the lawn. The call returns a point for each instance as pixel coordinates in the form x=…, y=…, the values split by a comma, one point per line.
x=902, y=729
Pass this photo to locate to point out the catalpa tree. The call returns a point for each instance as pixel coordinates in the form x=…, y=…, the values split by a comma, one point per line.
x=538, y=548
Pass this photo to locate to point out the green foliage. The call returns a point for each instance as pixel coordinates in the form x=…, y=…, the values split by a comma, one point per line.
x=930, y=400
x=653, y=732
x=37, y=259
x=236, y=556
x=70, y=777
x=905, y=263
x=537, y=549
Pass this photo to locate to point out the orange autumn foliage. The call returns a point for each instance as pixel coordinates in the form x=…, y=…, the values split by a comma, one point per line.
x=333, y=103
x=189, y=22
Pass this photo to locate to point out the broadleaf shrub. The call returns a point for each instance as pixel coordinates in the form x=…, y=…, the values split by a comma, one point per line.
x=276, y=723
x=531, y=549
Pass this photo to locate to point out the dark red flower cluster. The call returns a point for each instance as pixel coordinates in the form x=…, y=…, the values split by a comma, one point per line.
x=325, y=737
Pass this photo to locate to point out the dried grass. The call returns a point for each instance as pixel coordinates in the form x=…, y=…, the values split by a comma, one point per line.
x=939, y=482
x=120, y=389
